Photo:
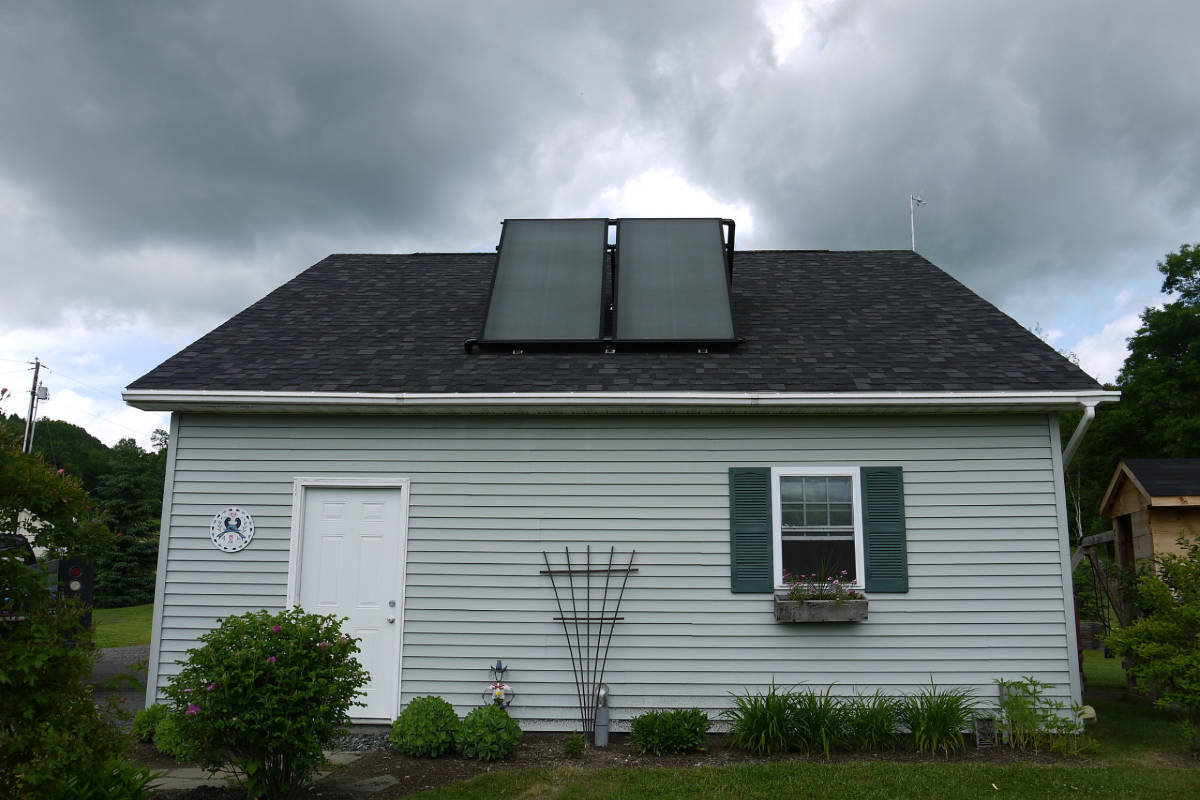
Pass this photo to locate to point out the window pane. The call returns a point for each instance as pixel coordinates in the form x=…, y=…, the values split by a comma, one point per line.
x=791, y=489
x=814, y=490
x=839, y=514
x=816, y=515
x=793, y=516
x=839, y=490
x=823, y=558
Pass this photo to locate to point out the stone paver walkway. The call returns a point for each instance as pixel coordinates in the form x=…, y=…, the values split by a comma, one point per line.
x=194, y=777
x=115, y=661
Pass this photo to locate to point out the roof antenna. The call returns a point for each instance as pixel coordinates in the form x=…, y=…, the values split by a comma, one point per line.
x=914, y=200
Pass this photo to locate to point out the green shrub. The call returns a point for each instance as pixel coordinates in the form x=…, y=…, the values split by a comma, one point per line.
x=172, y=741
x=1031, y=721
x=427, y=727
x=146, y=720
x=489, y=734
x=1163, y=646
x=818, y=721
x=51, y=731
x=573, y=744
x=666, y=732
x=871, y=721
x=937, y=719
x=761, y=723
x=264, y=694
x=80, y=746
x=119, y=779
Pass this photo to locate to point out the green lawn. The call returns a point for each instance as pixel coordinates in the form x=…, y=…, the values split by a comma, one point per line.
x=122, y=627
x=1103, y=674
x=844, y=781
x=1126, y=733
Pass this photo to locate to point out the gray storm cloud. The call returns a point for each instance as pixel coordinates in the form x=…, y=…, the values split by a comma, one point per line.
x=172, y=150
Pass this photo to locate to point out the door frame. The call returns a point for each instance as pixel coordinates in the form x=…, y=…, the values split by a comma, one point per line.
x=300, y=487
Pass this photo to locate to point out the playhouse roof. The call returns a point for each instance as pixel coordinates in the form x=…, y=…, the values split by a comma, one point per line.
x=1158, y=481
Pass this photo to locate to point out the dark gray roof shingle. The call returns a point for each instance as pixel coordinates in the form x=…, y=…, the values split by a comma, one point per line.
x=1166, y=477
x=812, y=321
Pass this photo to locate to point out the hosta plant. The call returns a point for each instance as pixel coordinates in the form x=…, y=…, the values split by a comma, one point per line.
x=427, y=727
x=489, y=734
x=666, y=732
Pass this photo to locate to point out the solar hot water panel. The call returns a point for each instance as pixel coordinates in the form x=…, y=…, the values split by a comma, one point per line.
x=672, y=283
x=549, y=282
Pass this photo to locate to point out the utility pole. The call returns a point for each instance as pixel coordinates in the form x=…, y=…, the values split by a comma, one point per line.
x=36, y=393
x=914, y=200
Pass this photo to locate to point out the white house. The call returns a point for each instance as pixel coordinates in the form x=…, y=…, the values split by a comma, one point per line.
x=417, y=438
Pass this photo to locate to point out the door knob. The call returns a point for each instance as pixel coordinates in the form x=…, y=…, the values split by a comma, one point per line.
x=391, y=619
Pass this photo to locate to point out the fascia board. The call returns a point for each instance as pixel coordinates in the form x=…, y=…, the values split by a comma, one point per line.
x=611, y=402
x=1175, y=501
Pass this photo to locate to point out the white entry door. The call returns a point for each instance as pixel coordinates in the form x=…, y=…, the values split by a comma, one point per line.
x=351, y=564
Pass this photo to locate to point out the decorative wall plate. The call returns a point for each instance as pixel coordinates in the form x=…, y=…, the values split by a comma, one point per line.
x=232, y=530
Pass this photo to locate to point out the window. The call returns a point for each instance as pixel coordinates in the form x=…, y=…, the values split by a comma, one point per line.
x=817, y=523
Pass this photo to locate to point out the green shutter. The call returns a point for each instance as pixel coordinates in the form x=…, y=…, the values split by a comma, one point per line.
x=750, y=532
x=884, y=539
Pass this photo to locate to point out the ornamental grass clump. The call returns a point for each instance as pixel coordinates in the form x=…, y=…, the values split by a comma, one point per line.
x=426, y=728
x=264, y=694
x=761, y=723
x=937, y=718
x=871, y=721
x=489, y=734
x=818, y=721
x=667, y=732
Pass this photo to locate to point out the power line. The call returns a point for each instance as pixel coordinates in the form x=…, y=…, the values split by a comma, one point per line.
x=62, y=374
x=109, y=421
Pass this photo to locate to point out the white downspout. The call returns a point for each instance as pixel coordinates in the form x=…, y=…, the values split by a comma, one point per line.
x=1089, y=414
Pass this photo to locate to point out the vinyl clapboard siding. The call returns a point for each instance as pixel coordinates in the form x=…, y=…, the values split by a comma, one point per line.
x=490, y=494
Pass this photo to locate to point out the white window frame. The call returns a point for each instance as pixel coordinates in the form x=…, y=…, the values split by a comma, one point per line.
x=777, y=516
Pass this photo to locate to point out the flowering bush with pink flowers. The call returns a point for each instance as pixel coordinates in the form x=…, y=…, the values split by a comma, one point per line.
x=265, y=694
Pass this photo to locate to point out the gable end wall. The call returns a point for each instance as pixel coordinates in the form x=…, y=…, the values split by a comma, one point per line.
x=490, y=494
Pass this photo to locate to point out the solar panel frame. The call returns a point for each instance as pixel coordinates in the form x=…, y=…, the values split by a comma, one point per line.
x=508, y=235
x=726, y=336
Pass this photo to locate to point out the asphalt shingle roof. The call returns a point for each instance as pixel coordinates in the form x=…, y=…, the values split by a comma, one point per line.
x=812, y=321
x=1165, y=477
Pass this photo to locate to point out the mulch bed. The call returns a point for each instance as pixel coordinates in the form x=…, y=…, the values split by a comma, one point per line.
x=545, y=750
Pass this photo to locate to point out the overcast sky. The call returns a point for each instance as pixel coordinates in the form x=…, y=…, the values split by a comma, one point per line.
x=163, y=165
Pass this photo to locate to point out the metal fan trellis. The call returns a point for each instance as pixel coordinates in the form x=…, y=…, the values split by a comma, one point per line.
x=588, y=628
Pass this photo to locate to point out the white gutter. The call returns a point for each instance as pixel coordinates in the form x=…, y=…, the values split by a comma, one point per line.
x=1089, y=414
x=611, y=402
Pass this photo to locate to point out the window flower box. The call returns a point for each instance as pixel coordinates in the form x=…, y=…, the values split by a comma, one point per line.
x=847, y=610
